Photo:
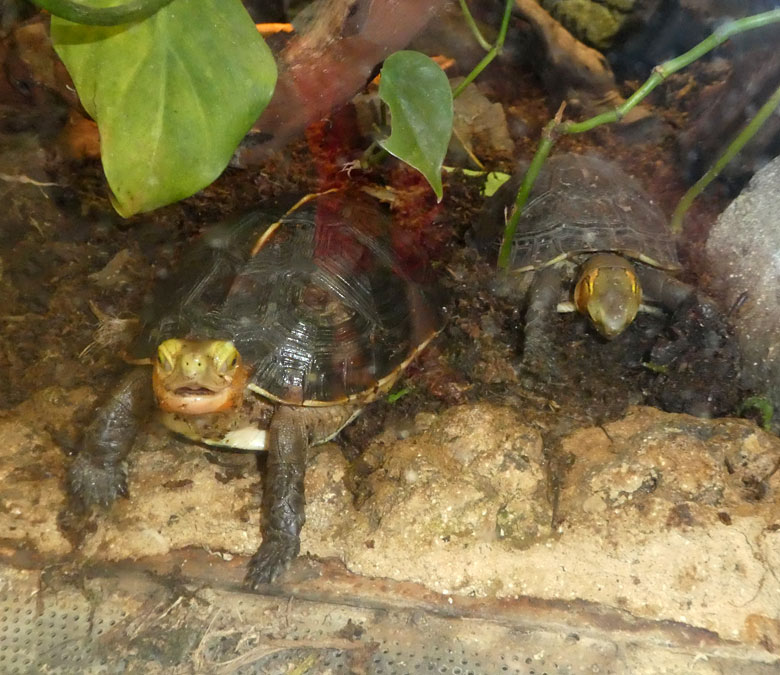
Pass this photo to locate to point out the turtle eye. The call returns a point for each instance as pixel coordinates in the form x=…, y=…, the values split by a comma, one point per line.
x=591, y=281
x=166, y=355
x=224, y=356
x=634, y=280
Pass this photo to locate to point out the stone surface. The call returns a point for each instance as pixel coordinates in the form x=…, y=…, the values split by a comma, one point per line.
x=744, y=263
x=32, y=471
x=593, y=23
x=480, y=123
x=663, y=516
x=666, y=516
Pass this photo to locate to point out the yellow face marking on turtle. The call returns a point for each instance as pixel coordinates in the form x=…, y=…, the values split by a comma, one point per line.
x=193, y=377
x=166, y=355
x=609, y=293
x=224, y=356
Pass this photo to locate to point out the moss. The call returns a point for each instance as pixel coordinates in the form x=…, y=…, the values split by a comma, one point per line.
x=624, y=6
x=592, y=22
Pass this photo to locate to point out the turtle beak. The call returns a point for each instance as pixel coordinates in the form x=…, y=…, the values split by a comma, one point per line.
x=610, y=296
x=194, y=377
x=611, y=314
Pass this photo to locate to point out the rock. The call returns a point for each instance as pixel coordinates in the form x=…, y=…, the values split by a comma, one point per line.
x=181, y=495
x=480, y=126
x=32, y=471
x=659, y=514
x=593, y=23
x=598, y=23
x=663, y=516
x=475, y=477
x=741, y=255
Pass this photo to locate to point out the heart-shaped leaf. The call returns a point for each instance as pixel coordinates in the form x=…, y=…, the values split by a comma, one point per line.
x=173, y=95
x=420, y=101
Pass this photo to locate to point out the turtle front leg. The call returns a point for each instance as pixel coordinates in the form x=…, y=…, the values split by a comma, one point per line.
x=671, y=293
x=543, y=295
x=696, y=351
x=659, y=286
x=696, y=319
x=98, y=475
x=283, y=498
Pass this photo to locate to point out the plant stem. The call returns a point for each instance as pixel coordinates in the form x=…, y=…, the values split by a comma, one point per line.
x=494, y=51
x=134, y=10
x=546, y=144
x=473, y=25
x=734, y=147
x=660, y=73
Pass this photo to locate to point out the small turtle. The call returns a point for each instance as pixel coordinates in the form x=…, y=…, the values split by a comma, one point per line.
x=586, y=219
x=271, y=337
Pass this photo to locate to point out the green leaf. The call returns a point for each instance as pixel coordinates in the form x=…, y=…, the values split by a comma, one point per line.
x=493, y=181
x=398, y=395
x=420, y=101
x=173, y=95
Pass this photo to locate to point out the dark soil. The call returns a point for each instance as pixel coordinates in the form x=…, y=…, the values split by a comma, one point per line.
x=67, y=256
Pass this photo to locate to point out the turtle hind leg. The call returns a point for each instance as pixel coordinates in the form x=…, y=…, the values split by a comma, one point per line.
x=98, y=475
x=283, y=497
x=543, y=296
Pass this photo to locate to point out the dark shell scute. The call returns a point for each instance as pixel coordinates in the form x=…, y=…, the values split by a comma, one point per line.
x=582, y=204
x=320, y=313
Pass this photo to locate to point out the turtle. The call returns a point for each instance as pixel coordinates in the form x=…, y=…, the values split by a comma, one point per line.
x=272, y=336
x=591, y=225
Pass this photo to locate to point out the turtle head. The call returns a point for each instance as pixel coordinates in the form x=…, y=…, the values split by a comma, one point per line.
x=198, y=376
x=608, y=291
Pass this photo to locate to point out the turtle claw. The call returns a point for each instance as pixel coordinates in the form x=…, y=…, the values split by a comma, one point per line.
x=271, y=559
x=96, y=485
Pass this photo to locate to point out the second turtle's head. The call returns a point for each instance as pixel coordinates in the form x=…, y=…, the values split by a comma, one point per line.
x=608, y=291
x=198, y=376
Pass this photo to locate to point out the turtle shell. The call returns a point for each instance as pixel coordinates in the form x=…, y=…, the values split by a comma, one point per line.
x=584, y=204
x=315, y=302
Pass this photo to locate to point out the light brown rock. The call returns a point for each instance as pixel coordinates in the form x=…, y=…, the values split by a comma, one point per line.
x=32, y=471
x=667, y=517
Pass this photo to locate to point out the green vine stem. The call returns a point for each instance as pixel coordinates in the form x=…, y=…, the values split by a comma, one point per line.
x=554, y=128
x=734, y=147
x=135, y=10
x=660, y=73
x=545, y=146
x=473, y=25
x=494, y=51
